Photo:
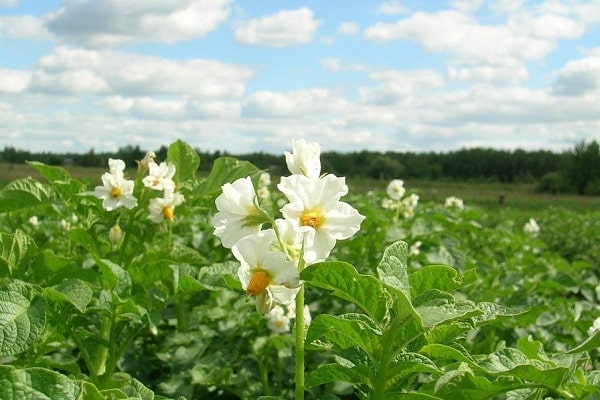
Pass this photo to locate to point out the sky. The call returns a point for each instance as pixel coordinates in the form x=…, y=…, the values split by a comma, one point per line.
x=246, y=76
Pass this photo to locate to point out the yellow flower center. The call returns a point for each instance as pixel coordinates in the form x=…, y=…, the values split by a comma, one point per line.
x=168, y=213
x=312, y=219
x=116, y=192
x=258, y=282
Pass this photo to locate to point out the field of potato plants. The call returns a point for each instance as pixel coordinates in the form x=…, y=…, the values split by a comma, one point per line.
x=164, y=285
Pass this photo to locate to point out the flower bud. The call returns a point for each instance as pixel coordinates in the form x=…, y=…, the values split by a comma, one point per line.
x=114, y=234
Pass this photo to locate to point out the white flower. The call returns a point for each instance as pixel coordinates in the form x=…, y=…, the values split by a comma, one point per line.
x=454, y=201
x=415, y=249
x=234, y=205
x=116, y=167
x=395, y=189
x=531, y=227
x=304, y=158
x=595, y=327
x=116, y=190
x=263, y=193
x=33, y=220
x=307, y=316
x=315, y=210
x=264, y=179
x=162, y=208
x=160, y=176
x=148, y=158
x=263, y=268
x=277, y=320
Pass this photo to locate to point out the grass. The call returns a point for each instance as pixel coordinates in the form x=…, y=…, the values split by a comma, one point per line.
x=485, y=195
x=490, y=196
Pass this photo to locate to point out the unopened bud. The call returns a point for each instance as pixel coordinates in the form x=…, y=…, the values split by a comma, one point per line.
x=114, y=234
x=148, y=158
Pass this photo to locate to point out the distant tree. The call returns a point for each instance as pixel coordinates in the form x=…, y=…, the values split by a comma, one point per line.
x=582, y=167
x=91, y=159
x=385, y=167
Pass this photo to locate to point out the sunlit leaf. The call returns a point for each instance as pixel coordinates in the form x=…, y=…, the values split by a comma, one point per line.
x=343, y=281
x=22, y=318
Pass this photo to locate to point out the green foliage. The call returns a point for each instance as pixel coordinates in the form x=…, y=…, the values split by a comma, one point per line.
x=478, y=310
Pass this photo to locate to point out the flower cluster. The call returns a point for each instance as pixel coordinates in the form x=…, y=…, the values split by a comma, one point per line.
x=531, y=227
x=454, y=201
x=278, y=320
x=117, y=191
x=272, y=251
x=396, y=201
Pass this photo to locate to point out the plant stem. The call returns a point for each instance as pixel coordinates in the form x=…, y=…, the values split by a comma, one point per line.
x=300, y=344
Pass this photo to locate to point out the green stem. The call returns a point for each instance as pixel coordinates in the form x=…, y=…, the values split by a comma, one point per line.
x=264, y=373
x=300, y=344
x=103, y=350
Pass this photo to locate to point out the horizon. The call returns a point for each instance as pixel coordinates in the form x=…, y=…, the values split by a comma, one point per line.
x=246, y=77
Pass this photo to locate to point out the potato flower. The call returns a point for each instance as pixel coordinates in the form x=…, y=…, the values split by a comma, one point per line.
x=304, y=158
x=316, y=211
x=160, y=176
x=116, y=191
x=277, y=320
x=531, y=227
x=236, y=206
x=454, y=201
x=395, y=189
x=162, y=208
x=264, y=269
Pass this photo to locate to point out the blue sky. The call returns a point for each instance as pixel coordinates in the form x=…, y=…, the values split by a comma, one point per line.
x=245, y=76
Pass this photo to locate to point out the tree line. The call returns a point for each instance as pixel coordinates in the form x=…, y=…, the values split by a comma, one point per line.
x=576, y=170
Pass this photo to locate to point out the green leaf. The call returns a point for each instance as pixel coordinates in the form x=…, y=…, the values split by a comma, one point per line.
x=405, y=364
x=73, y=291
x=492, y=312
x=591, y=343
x=36, y=383
x=186, y=162
x=115, y=277
x=392, y=269
x=22, y=318
x=443, y=308
x=84, y=239
x=513, y=363
x=343, y=331
x=326, y=373
x=440, y=277
x=220, y=276
x=226, y=170
x=366, y=291
x=15, y=250
x=24, y=193
x=456, y=353
x=53, y=174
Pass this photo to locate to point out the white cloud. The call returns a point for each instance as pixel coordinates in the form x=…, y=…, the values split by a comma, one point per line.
x=399, y=86
x=579, y=77
x=8, y=3
x=337, y=65
x=13, y=81
x=509, y=73
x=23, y=27
x=466, y=5
x=463, y=37
x=296, y=104
x=348, y=28
x=114, y=22
x=69, y=71
x=285, y=28
x=391, y=8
